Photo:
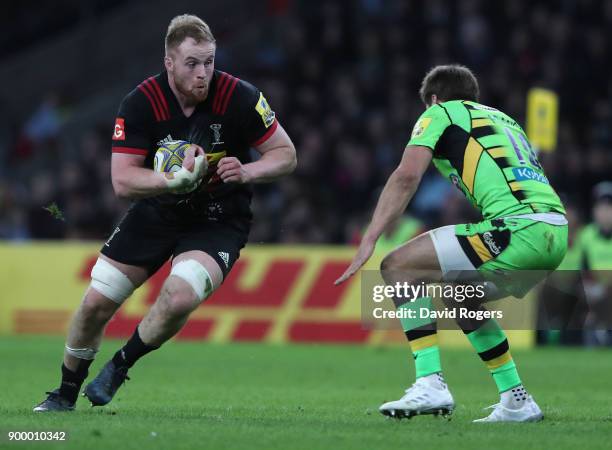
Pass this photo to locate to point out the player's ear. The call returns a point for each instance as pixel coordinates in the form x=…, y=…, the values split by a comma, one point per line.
x=168, y=63
x=434, y=99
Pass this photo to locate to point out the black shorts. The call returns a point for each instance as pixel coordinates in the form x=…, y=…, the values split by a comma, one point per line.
x=149, y=234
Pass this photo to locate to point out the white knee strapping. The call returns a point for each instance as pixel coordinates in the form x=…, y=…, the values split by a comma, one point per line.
x=450, y=254
x=110, y=281
x=196, y=275
x=82, y=353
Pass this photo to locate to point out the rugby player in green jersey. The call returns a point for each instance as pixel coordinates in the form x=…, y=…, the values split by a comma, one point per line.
x=485, y=154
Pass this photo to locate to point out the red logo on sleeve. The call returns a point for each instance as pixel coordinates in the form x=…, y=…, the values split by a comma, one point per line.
x=119, y=133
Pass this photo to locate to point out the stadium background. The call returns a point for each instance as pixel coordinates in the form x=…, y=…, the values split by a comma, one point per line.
x=343, y=78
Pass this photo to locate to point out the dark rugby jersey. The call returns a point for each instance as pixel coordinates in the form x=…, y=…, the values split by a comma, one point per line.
x=234, y=117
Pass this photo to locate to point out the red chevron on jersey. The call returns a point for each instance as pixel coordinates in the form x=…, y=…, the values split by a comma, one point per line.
x=226, y=100
x=225, y=88
x=222, y=84
x=159, y=96
x=148, y=89
x=151, y=101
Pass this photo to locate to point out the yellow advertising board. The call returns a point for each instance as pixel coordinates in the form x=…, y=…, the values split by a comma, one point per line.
x=542, y=118
x=274, y=294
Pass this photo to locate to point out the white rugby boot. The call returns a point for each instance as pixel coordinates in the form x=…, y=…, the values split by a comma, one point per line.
x=528, y=412
x=428, y=395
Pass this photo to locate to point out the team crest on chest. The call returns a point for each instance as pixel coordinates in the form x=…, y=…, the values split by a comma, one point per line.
x=216, y=129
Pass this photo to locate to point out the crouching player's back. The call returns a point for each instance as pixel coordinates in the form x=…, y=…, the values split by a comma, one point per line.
x=486, y=155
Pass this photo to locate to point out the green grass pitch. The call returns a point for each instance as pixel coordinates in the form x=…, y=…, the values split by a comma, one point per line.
x=243, y=396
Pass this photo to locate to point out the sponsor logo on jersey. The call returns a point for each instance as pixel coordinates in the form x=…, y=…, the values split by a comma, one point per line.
x=506, y=120
x=214, y=158
x=458, y=183
x=526, y=173
x=488, y=239
x=420, y=127
x=482, y=107
x=455, y=180
x=214, y=209
x=264, y=110
x=165, y=140
x=119, y=133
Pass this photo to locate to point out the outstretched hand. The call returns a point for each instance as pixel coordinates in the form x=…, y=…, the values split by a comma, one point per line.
x=364, y=252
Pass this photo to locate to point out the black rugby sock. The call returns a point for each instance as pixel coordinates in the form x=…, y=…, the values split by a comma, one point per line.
x=72, y=381
x=132, y=351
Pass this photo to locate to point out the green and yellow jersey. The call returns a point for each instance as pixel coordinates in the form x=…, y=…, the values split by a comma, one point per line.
x=595, y=249
x=486, y=154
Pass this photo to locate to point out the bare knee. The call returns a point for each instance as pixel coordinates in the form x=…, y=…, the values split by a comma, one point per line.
x=178, y=298
x=391, y=262
x=97, y=309
x=414, y=262
x=386, y=268
x=394, y=269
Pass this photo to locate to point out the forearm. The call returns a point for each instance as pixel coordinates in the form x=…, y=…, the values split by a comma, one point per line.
x=392, y=202
x=139, y=182
x=272, y=165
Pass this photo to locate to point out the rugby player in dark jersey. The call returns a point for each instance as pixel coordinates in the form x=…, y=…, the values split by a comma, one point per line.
x=201, y=231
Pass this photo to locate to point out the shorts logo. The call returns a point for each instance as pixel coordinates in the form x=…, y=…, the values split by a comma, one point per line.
x=420, y=127
x=525, y=174
x=119, y=133
x=107, y=244
x=487, y=237
x=225, y=257
x=264, y=110
x=214, y=209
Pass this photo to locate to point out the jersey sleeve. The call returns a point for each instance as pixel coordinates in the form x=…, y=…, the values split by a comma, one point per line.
x=132, y=132
x=429, y=128
x=256, y=119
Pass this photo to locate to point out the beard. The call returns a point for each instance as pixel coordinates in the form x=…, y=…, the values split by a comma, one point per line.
x=191, y=92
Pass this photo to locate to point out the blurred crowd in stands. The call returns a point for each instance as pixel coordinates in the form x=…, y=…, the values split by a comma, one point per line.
x=343, y=77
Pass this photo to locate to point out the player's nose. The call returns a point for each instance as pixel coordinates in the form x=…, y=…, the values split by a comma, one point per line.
x=201, y=73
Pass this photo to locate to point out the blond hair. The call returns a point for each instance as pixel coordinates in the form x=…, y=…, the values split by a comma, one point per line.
x=187, y=26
